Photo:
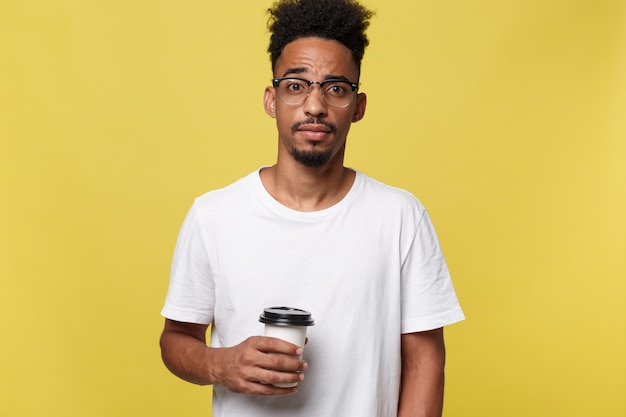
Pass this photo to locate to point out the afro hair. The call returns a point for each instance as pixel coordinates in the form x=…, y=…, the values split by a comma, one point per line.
x=342, y=20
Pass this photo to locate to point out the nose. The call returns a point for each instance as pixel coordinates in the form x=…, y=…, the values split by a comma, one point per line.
x=314, y=104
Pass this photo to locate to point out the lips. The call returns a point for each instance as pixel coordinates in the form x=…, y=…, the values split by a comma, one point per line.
x=314, y=132
x=314, y=129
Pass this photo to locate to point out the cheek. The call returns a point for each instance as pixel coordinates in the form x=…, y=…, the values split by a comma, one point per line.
x=344, y=120
x=284, y=121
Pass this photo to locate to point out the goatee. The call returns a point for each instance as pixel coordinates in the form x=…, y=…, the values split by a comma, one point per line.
x=311, y=158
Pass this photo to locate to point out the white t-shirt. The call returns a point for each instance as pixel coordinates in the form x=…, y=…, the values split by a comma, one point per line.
x=368, y=268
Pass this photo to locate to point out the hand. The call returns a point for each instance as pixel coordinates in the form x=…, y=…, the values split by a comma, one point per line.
x=256, y=363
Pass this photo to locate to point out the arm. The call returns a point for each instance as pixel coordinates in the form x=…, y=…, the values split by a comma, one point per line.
x=248, y=368
x=422, y=381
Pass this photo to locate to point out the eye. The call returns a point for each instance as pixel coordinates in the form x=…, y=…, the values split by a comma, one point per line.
x=337, y=89
x=295, y=86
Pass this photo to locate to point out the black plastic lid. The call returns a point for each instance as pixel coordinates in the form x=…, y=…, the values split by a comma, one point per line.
x=286, y=316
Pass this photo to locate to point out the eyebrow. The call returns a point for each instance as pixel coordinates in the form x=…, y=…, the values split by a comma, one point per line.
x=301, y=70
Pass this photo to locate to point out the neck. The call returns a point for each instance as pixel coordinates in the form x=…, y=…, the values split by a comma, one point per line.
x=307, y=189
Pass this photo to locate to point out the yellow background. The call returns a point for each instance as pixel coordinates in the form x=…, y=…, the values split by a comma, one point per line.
x=506, y=118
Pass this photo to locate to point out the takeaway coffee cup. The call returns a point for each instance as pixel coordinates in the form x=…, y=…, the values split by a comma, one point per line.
x=286, y=323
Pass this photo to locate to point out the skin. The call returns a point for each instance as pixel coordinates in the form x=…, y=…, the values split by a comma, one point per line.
x=293, y=184
x=249, y=366
x=422, y=381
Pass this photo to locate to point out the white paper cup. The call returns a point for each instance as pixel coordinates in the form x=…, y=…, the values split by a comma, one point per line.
x=287, y=323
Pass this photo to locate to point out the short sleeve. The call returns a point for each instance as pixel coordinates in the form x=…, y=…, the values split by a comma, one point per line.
x=191, y=294
x=428, y=297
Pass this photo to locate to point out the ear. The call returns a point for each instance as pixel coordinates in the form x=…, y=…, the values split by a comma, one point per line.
x=269, y=101
x=361, y=103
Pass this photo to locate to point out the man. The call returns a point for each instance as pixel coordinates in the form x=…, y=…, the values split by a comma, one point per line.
x=309, y=233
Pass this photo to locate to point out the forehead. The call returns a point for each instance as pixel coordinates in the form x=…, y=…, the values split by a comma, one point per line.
x=317, y=57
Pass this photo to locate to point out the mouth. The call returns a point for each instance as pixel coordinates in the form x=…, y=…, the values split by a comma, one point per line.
x=314, y=129
x=314, y=132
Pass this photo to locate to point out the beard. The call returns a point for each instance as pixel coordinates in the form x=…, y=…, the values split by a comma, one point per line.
x=311, y=158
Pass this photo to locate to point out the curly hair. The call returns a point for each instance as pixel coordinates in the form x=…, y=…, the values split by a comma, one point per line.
x=342, y=20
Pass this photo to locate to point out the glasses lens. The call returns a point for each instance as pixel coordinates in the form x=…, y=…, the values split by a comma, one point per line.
x=337, y=93
x=292, y=91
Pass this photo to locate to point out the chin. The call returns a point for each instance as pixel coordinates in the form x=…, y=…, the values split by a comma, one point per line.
x=311, y=158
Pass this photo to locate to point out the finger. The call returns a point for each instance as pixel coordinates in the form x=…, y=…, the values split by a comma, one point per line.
x=269, y=377
x=281, y=363
x=267, y=389
x=274, y=345
x=264, y=388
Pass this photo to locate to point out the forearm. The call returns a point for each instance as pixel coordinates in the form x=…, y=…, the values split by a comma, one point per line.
x=422, y=381
x=188, y=357
x=421, y=394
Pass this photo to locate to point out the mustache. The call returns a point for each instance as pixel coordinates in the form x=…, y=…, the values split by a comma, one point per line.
x=314, y=121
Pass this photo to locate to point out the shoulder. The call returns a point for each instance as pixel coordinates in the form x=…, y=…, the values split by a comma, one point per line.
x=378, y=193
x=228, y=196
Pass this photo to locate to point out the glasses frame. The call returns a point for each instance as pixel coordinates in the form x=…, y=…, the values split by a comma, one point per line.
x=309, y=83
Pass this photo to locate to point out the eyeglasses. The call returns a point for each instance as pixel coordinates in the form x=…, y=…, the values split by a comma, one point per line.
x=294, y=91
